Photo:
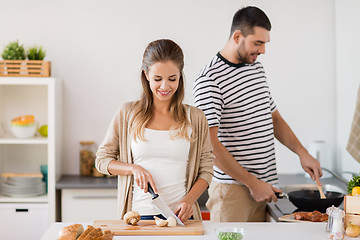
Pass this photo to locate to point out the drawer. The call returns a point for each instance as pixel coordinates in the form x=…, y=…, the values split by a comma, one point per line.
x=87, y=205
x=23, y=220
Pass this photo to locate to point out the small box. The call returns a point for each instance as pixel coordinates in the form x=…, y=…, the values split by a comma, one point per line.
x=352, y=204
x=352, y=218
x=352, y=210
x=25, y=68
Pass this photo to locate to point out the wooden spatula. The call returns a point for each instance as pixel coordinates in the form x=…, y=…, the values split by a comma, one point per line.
x=321, y=191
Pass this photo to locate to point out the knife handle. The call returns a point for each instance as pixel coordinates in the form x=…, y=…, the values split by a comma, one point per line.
x=154, y=195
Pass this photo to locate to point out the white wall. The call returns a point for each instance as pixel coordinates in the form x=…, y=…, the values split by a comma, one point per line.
x=347, y=77
x=96, y=47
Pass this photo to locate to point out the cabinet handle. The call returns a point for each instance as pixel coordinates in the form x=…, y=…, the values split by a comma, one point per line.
x=95, y=197
x=21, y=210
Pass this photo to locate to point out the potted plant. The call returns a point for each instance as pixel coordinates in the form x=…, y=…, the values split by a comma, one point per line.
x=35, y=53
x=14, y=51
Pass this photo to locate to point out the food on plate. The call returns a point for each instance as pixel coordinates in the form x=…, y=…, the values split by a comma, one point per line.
x=132, y=217
x=76, y=232
x=160, y=222
x=71, y=232
x=171, y=222
x=314, y=216
x=354, y=182
x=352, y=230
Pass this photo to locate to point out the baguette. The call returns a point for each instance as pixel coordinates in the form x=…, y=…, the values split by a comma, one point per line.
x=71, y=232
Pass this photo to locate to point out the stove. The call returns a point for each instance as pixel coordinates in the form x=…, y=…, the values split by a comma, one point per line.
x=285, y=206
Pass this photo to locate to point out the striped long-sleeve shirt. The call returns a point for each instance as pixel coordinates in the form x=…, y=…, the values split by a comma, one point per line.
x=236, y=98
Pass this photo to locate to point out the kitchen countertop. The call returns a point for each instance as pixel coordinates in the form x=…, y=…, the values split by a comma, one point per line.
x=77, y=181
x=253, y=231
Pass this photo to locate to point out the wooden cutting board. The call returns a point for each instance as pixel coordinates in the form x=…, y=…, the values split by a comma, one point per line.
x=148, y=227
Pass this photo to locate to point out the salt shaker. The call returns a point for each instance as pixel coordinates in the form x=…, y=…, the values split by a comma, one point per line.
x=329, y=212
x=337, y=224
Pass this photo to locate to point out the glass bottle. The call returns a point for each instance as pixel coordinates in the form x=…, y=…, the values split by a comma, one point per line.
x=87, y=157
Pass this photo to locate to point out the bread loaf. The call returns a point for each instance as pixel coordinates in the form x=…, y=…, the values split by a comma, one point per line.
x=87, y=231
x=71, y=232
x=108, y=235
x=76, y=232
x=93, y=234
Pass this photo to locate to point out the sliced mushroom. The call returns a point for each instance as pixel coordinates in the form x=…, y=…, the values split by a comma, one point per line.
x=132, y=217
x=160, y=222
x=172, y=222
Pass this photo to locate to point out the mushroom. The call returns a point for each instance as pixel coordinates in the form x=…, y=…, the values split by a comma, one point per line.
x=171, y=222
x=132, y=217
x=160, y=222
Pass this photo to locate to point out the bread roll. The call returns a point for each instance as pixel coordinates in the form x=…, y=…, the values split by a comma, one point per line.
x=71, y=232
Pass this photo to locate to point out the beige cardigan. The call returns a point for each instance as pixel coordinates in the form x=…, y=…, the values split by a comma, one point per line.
x=116, y=146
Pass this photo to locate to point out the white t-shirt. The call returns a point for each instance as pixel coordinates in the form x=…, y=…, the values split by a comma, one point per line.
x=166, y=159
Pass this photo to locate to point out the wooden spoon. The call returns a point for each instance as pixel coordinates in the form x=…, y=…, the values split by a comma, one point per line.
x=321, y=191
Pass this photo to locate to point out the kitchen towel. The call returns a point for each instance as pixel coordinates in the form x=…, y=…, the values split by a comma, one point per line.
x=353, y=145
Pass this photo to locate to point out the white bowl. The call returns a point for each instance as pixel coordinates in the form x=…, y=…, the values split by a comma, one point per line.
x=23, y=131
x=230, y=233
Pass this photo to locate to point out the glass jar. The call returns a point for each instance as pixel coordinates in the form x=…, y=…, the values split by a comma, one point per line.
x=87, y=157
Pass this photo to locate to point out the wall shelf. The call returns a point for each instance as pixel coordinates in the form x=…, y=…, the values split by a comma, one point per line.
x=41, y=97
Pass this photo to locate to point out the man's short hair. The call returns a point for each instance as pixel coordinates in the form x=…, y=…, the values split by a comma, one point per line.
x=245, y=19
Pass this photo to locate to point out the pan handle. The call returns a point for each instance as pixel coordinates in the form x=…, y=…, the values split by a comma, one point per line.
x=281, y=195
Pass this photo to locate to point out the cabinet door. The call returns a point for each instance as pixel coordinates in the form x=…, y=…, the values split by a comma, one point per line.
x=23, y=220
x=87, y=205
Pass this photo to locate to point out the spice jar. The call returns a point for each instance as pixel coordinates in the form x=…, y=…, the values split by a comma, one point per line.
x=87, y=157
x=337, y=224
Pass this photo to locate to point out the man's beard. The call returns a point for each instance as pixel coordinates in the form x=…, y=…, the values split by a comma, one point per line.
x=242, y=55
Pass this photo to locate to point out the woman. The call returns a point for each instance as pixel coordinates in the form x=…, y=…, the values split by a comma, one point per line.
x=159, y=140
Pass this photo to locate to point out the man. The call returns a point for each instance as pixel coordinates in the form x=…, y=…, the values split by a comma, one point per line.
x=233, y=93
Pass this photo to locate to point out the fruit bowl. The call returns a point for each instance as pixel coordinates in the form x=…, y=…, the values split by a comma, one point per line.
x=23, y=131
x=230, y=233
x=23, y=126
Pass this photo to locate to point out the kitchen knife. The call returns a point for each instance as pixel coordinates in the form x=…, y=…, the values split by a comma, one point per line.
x=163, y=207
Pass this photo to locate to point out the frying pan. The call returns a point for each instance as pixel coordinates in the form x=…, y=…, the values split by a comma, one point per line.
x=309, y=200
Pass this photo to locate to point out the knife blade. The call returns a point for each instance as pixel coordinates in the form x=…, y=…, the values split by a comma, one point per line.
x=163, y=207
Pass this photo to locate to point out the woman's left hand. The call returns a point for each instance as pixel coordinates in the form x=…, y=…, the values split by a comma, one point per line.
x=184, y=211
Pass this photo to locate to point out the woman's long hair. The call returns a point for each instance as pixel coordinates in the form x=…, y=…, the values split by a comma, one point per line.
x=160, y=51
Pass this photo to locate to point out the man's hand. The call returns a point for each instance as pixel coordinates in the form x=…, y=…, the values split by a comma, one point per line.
x=262, y=191
x=184, y=211
x=311, y=166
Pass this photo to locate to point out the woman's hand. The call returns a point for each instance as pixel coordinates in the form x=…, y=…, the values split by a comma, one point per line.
x=142, y=177
x=184, y=211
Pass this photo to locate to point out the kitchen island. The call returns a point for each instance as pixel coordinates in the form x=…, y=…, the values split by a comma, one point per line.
x=253, y=231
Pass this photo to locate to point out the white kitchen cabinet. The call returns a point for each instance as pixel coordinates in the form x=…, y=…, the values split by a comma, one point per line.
x=40, y=97
x=88, y=204
x=23, y=220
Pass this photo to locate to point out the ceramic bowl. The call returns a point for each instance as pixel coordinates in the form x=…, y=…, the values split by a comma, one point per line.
x=230, y=233
x=23, y=131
